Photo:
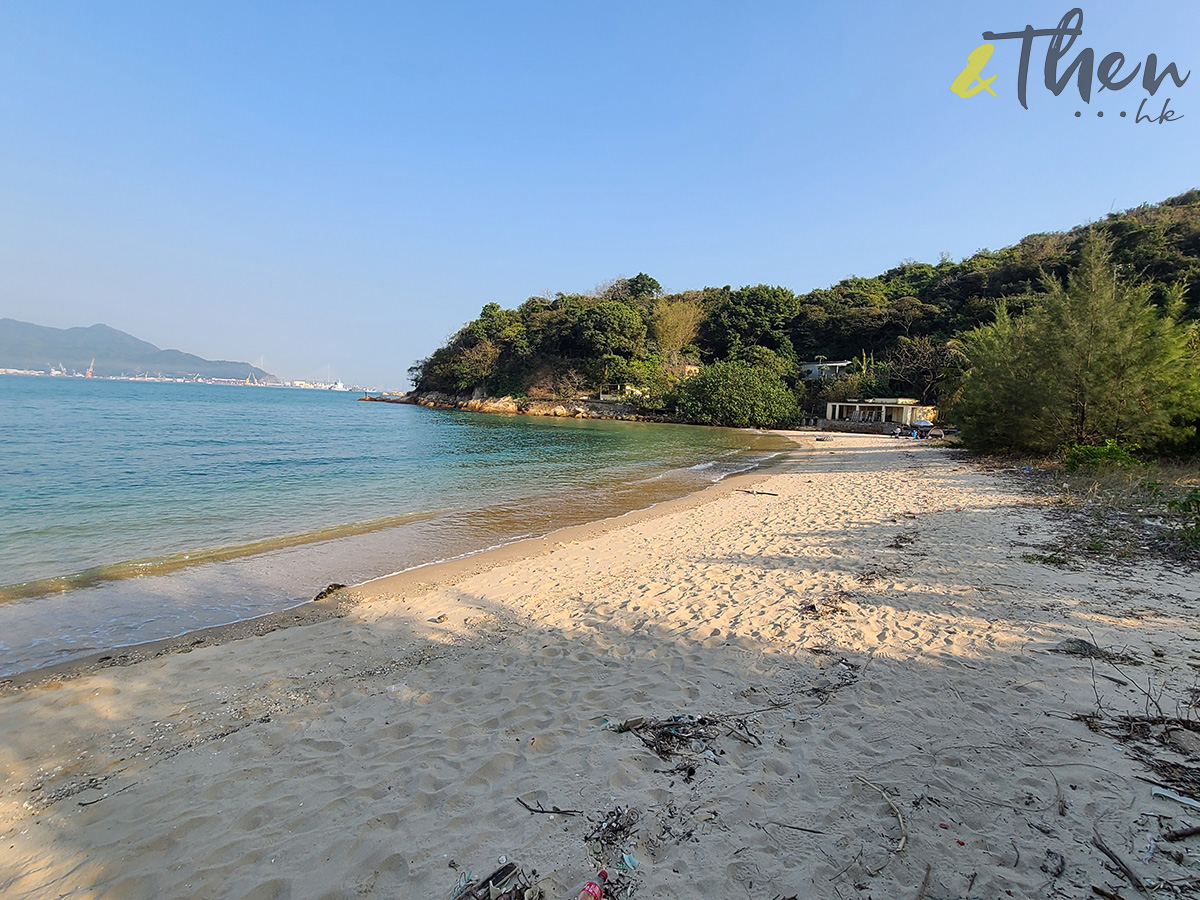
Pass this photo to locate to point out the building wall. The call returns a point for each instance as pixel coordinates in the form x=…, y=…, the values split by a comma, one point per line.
x=893, y=413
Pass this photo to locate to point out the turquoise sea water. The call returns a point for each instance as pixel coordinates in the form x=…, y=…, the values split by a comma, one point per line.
x=132, y=511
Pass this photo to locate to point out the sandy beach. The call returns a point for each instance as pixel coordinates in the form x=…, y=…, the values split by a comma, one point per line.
x=864, y=641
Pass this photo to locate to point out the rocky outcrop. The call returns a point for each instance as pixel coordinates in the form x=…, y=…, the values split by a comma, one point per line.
x=524, y=406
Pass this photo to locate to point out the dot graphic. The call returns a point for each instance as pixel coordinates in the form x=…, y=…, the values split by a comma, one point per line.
x=1122, y=114
x=1100, y=114
x=1078, y=114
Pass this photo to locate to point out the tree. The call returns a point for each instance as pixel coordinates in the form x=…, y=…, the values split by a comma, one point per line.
x=738, y=395
x=1095, y=361
x=455, y=368
x=922, y=363
x=905, y=311
x=570, y=385
x=782, y=364
x=640, y=288
x=761, y=315
x=674, y=324
x=650, y=377
x=611, y=328
x=1121, y=363
x=1120, y=366
x=996, y=400
x=503, y=327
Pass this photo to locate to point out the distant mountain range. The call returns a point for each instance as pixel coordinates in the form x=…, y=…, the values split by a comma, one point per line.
x=24, y=345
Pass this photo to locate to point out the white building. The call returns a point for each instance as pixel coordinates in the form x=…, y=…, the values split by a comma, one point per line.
x=825, y=368
x=895, y=410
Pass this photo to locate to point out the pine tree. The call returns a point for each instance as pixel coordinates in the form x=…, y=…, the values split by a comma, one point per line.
x=996, y=394
x=1094, y=360
x=1113, y=365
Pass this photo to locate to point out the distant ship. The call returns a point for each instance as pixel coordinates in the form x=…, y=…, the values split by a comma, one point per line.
x=338, y=386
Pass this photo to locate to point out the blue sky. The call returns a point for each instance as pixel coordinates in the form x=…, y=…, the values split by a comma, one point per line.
x=339, y=187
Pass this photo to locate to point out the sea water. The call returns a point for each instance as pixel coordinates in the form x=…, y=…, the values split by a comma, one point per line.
x=134, y=511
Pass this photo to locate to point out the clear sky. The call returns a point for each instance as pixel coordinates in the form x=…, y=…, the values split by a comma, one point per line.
x=343, y=185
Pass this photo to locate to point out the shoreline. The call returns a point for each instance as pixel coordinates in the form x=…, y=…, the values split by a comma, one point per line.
x=127, y=604
x=344, y=600
x=870, y=671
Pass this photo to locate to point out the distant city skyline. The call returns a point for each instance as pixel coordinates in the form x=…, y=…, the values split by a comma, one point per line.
x=337, y=189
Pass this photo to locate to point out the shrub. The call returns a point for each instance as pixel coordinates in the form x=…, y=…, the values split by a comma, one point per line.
x=1109, y=455
x=738, y=395
x=1190, y=507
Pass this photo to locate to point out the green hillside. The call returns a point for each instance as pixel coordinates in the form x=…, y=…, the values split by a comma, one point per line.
x=904, y=328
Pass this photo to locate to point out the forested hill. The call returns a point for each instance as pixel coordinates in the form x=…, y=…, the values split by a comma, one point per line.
x=900, y=325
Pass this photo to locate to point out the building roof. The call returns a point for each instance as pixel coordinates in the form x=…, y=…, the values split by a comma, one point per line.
x=884, y=401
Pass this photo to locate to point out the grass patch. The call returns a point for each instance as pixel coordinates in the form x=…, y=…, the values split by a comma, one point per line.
x=1109, y=455
x=1130, y=510
x=1188, y=508
x=1115, y=509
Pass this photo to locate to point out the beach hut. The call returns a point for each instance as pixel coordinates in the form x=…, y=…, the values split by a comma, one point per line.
x=891, y=410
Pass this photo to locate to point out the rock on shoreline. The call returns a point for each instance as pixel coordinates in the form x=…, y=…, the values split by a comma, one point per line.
x=525, y=406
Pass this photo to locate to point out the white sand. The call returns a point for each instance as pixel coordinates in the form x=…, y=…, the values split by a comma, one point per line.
x=360, y=756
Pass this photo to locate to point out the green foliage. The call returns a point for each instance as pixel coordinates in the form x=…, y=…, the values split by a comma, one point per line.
x=1095, y=361
x=457, y=366
x=611, y=328
x=1190, y=507
x=781, y=363
x=1109, y=455
x=531, y=348
x=995, y=395
x=922, y=364
x=1118, y=363
x=1161, y=243
x=1189, y=504
x=738, y=395
x=503, y=327
x=639, y=290
x=748, y=317
x=674, y=323
x=642, y=286
x=651, y=378
x=1085, y=349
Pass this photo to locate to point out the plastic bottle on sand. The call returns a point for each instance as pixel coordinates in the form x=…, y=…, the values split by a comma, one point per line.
x=592, y=890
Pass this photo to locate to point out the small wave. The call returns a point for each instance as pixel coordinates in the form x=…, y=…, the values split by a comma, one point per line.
x=162, y=565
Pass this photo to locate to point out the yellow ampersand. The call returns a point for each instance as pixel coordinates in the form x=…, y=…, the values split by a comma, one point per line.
x=968, y=83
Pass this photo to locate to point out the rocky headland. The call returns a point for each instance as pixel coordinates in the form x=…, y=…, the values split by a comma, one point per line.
x=526, y=406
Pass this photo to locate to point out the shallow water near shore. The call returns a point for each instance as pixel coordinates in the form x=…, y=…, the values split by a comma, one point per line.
x=137, y=511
